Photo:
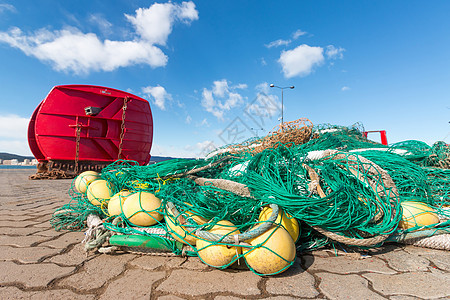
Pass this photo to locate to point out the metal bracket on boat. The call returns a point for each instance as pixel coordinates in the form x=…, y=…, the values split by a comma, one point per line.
x=92, y=111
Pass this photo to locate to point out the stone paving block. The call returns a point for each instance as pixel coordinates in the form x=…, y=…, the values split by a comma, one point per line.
x=405, y=262
x=43, y=225
x=151, y=262
x=96, y=272
x=424, y=285
x=346, y=264
x=440, y=258
x=319, y=253
x=403, y=298
x=194, y=263
x=74, y=257
x=20, y=224
x=64, y=240
x=284, y=298
x=295, y=282
x=45, y=210
x=31, y=275
x=170, y=297
x=11, y=292
x=45, y=218
x=49, y=232
x=7, y=214
x=134, y=284
x=16, y=217
x=25, y=255
x=351, y=286
x=268, y=298
x=20, y=231
x=21, y=241
x=196, y=283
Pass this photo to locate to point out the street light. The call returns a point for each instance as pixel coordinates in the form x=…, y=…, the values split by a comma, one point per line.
x=282, y=88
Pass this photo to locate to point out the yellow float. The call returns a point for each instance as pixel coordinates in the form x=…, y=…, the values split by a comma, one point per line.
x=287, y=221
x=116, y=202
x=179, y=232
x=142, y=209
x=417, y=214
x=216, y=255
x=99, y=191
x=273, y=252
x=84, y=179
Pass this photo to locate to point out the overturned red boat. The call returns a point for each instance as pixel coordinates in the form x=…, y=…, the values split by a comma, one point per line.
x=84, y=127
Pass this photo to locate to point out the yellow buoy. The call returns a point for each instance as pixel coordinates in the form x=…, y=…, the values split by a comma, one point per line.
x=99, y=191
x=179, y=232
x=116, y=202
x=142, y=209
x=417, y=214
x=276, y=253
x=84, y=179
x=217, y=255
x=287, y=221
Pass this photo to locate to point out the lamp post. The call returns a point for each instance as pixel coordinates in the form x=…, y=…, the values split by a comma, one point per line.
x=282, y=108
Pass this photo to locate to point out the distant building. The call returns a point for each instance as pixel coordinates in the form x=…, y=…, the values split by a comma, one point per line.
x=7, y=162
x=14, y=162
x=26, y=161
x=1, y=161
x=34, y=161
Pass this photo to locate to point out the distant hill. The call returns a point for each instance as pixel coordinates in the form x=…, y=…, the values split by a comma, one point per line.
x=9, y=156
x=159, y=158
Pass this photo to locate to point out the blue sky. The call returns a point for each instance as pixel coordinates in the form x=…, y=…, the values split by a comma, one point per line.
x=206, y=66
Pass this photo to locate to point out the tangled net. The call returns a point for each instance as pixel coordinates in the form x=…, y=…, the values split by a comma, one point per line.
x=339, y=186
x=288, y=134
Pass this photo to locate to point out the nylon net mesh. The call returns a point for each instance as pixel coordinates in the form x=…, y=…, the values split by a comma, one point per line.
x=335, y=184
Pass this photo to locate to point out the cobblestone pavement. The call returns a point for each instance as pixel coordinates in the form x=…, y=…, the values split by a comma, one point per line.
x=37, y=262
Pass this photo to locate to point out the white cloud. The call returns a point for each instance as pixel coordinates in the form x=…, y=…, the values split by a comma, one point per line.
x=13, y=134
x=203, y=123
x=7, y=7
x=263, y=62
x=263, y=87
x=203, y=145
x=265, y=105
x=170, y=151
x=345, y=88
x=295, y=35
x=154, y=24
x=220, y=98
x=158, y=95
x=334, y=53
x=240, y=86
x=13, y=126
x=187, y=151
x=278, y=43
x=300, y=61
x=101, y=22
x=220, y=88
x=188, y=119
x=69, y=49
x=298, y=34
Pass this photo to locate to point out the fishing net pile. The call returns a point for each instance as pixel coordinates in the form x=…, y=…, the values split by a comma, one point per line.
x=301, y=188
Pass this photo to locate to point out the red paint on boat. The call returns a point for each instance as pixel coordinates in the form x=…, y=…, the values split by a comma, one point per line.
x=52, y=129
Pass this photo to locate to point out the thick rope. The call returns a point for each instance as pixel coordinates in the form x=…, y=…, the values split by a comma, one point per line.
x=235, y=238
x=337, y=237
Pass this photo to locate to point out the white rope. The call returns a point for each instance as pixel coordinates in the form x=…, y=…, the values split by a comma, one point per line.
x=440, y=242
x=93, y=223
x=396, y=151
x=315, y=155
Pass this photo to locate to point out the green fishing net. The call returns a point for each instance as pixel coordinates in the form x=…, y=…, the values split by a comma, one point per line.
x=339, y=186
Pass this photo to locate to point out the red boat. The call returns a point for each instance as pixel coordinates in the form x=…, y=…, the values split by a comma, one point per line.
x=84, y=127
